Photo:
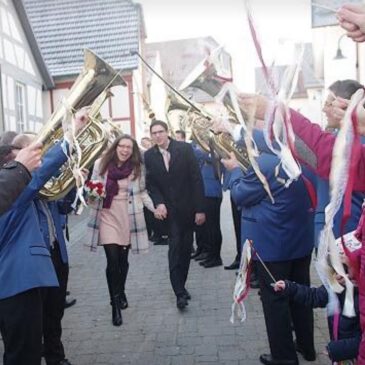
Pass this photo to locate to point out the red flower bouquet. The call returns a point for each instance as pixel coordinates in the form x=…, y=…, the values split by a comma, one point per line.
x=94, y=190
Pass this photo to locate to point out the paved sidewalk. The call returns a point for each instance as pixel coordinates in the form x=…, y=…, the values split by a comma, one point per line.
x=154, y=332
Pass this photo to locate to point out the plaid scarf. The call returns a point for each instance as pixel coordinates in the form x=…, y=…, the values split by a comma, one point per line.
x=115, y=173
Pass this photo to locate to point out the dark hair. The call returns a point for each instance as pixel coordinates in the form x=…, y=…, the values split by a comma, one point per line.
x=7, y=137
x=161, y=123
x=111, y=156
x=180, y=131
x=345, y=88
x=6, y=154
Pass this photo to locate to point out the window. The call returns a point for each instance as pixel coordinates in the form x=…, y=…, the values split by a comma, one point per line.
x=20, y=106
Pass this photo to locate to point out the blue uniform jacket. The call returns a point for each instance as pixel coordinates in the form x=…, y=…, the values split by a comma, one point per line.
x=212, y=185
x=323, y=200
x=25, y=261
x=349, y=331
x=280, y=231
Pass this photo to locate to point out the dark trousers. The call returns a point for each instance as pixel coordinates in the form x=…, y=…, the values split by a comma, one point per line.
x=117, y=268
x=180, y=243
x=53, y=310
x=236, y=215
x=212, y=227
x=21, y=328
x=160, y=228
x=149, y=219
x=280, y=312
x=200, y=238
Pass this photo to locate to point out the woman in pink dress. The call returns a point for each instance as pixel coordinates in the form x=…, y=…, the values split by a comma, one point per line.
x=119, y=221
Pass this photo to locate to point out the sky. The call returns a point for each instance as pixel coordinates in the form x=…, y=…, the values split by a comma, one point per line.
x=279, y=24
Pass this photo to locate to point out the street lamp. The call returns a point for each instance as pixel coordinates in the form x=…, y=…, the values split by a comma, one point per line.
x=339, y=54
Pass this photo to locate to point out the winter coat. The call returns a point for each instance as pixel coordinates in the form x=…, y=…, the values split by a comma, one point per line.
x=137, y=199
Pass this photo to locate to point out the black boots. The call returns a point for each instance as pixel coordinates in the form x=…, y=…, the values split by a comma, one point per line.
x=113, y=280
x=123, y=301
x=124, y=267
x=116, y=313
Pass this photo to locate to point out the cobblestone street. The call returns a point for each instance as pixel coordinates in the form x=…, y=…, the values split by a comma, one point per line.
x=154, y=332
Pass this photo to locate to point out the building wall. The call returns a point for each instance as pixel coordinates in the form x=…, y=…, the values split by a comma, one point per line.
x=18, y=68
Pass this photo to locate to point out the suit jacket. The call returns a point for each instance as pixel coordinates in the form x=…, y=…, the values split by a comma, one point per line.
x=181, y=188
x=25, y=261
x=14, y=177
x=280, y=231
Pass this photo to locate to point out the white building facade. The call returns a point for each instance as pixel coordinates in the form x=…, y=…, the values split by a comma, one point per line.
x=21, y=81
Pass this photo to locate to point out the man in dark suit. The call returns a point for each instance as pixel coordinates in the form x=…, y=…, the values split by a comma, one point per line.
x=175, y=185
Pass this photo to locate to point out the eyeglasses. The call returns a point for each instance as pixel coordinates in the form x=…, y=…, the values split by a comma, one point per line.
x=155, y=133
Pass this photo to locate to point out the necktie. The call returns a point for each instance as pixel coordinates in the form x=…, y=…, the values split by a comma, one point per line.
x=166, y=158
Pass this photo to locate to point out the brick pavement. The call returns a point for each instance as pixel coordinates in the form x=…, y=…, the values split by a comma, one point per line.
x=154, y=332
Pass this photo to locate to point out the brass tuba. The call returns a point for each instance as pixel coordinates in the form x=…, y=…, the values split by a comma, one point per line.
x=91, y=89
x=199, y=124
x=207, y=76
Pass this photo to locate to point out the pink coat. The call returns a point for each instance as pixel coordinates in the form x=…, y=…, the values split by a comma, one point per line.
x=314, y=148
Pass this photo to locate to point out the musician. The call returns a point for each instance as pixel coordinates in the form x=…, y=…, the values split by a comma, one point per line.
x=26, y=266
x=180, y=135
x=211, y=239
x=282, y=235
x=176, y=188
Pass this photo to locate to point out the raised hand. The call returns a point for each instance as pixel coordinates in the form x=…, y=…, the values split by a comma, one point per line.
x=231, y=162
x=30, y=156
x=81, y=118
x=253, y=103
x=279, y=285
x=352, y=19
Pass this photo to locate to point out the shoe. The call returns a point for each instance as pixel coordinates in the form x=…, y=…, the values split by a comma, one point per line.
x=254, y=284
x=69, y=302
x=153, y=237
x=203, y=262
x=116, y=313
x=123, y=301
x=181, y=302
x=233, y=266
x=202, y=256
x=195, y=254
x=161, y=242
x=64, y=362
x=307, y=355
x=187, y=295
x=267, y=359
x=212, y=263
